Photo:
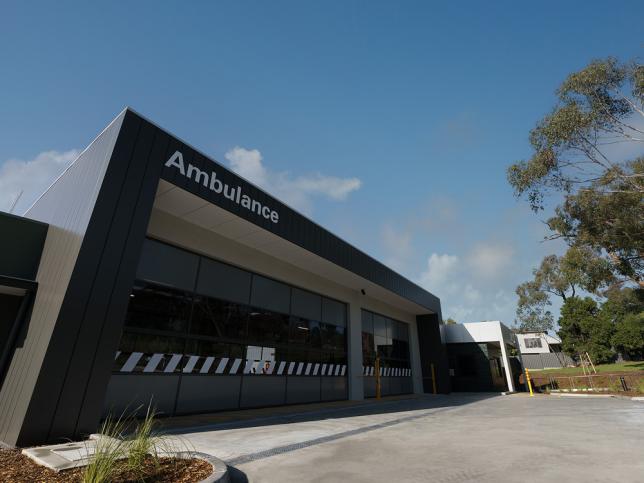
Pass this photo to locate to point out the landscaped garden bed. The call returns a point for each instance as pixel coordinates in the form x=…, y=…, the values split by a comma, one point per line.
x=16, y=467
x=127, y=449
x=625, y=379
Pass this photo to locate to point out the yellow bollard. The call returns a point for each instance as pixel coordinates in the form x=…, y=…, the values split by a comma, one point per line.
x=527, y=376
x=433, y=378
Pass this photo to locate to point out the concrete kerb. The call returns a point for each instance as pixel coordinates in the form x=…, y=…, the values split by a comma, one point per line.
x=576, y=394
x=219, y=468
x=616, y=396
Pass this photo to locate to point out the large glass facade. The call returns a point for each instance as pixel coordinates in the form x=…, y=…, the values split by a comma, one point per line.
x=388, y=339
x=166, y=321
x=193, y=323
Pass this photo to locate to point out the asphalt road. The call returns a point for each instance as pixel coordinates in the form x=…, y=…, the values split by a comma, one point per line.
x=456, y=438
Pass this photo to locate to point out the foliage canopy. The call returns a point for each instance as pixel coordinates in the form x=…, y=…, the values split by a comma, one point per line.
x=579, y=151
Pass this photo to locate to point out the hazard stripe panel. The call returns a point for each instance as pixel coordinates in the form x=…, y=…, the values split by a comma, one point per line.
x=138, y=362
x=385, y=371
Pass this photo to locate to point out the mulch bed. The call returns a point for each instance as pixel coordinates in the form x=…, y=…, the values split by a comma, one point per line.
x=16, y=467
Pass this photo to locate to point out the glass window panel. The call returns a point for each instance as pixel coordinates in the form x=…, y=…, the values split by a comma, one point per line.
x=217, y=318
x=383, y=347
x=314, y=356
x=368, y=345
x=532, y=342
x=270, y=294
x=334, y=312
x=367, y=322
x=281, y=353
x=236, y=351
x=306, y=304
x=389, y=324
x=207, y=348
x=333, y=337
x=159, y=308
x=340, y=338
x=151, y=344
x=267, y=328
x=304, y=332
x=404, y=349
x=379, y=326
x=168, y=265
x=297, y=354
x=403, y=331
x=396, y=349
x=334, y=358
x=223, y=281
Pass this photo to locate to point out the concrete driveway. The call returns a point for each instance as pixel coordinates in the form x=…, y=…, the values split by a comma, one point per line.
x=461, y=437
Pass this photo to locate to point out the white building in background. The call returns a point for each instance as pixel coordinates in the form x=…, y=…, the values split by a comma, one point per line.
x=479, y=355
x=538, y=343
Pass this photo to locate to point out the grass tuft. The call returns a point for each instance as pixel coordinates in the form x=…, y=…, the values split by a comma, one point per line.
x=141, y=445
x=109, y=449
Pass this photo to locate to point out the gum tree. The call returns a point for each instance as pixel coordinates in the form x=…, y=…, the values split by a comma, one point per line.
x=578, y=269
x=580, y=150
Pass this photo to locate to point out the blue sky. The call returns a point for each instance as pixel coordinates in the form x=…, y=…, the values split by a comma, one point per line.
x=390, y=123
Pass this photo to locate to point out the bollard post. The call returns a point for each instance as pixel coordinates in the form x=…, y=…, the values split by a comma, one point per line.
x=527, y=376
x=433, y=378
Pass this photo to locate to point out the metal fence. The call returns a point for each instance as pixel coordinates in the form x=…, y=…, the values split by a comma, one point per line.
x=549, y=360
x=632, y=383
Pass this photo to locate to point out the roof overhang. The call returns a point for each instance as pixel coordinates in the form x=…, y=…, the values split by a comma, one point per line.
x=192, y=209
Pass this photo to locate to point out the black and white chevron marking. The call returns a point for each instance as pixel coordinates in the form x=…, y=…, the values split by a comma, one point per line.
x=387, y=371
x=139, y=362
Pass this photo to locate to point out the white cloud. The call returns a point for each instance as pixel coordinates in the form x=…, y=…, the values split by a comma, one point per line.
x=248, y=163
x=444, y=276
x=32, y=177
x=473, y=272
x=488, y=260
x=295, y=191
x=471, y=294
x=440, y=269
x=398, y=245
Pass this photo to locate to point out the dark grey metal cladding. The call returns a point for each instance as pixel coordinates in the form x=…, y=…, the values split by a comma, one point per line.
x=432, y=351
x=303, y=390
x=67, y=206
x=21, y=244
x=199, y=393
x=135, y=210
x=291, y=226
x=131, y=394
x=68, y=397
x=261, y=391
